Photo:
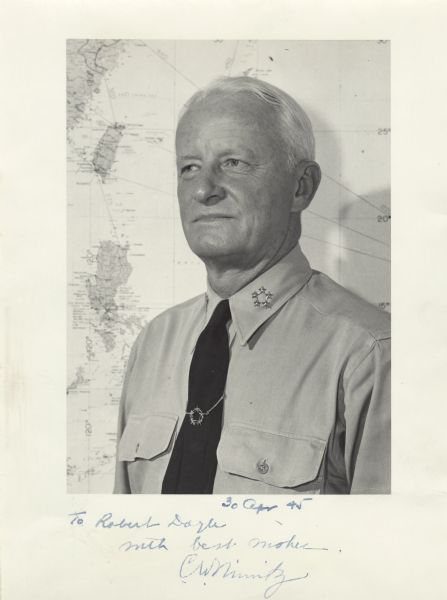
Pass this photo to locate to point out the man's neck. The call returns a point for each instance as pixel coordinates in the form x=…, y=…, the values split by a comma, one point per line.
x=226, y=281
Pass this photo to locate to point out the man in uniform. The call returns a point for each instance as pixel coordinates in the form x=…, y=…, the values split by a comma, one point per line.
x=276, y=380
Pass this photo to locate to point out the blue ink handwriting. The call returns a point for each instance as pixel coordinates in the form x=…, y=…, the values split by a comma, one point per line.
x=145, y=544
x=107, y=522
x=199, y=526
x=77, y=519
x=191, y=565
x=251, y=504
x=203, y=547
x=258, y=507
x=198, y=544
x=289, y=543
x=299, y=505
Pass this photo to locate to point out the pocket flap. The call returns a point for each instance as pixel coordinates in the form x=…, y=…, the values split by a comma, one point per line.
x=146, y=437
x=277, y=459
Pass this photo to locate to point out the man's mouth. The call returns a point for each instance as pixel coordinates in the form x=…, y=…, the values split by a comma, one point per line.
x=210, y=218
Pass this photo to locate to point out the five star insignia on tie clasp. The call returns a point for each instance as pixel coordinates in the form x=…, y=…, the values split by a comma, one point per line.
x=262, y=297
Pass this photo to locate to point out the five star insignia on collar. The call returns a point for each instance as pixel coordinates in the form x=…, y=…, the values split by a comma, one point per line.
x=262, y=297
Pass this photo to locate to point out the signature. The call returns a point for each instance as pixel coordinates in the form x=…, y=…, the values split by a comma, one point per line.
x=276, y=577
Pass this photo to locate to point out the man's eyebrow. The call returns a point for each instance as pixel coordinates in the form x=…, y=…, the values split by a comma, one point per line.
x=225, y=152
x=187, y=157
x=237, y=150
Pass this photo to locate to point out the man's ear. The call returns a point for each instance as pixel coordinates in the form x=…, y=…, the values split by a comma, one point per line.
x=309, y=177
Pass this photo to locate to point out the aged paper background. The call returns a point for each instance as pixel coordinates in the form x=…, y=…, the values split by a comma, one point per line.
x=379, y=546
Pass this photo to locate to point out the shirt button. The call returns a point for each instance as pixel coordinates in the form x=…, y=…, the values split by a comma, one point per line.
x=263, y=466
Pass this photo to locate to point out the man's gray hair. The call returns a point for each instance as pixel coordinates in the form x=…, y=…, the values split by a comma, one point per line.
x=295, y=125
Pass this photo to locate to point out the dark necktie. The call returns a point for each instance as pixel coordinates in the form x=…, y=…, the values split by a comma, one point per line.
x=193, y=462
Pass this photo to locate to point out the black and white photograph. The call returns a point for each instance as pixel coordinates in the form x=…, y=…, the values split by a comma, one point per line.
x=229, y=250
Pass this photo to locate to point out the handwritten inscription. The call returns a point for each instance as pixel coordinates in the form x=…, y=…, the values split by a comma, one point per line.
x=259, y=507
x=198, y=544
x=250, y=504
x=198, y=526
x=210, y=544
x=107, y=522
x=77, y=518
x=291, y=543
x=145, y=544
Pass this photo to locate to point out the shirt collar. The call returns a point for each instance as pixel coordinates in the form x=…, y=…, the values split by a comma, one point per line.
x=282, y=281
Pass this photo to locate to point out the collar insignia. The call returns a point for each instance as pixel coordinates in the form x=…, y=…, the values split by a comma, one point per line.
x=262, y=297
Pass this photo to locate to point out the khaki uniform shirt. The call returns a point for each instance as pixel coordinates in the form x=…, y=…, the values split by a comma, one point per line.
x=307, y=398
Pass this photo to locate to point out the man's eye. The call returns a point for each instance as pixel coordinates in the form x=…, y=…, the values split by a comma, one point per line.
x=235, y=165
x=233, y=162
x=187, y=169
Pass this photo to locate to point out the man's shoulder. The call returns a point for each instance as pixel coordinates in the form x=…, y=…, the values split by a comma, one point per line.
x=335, y=301
x=183, y=309
x=176, y=316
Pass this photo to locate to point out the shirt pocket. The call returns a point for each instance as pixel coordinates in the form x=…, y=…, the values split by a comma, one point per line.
x=146, y=437
x=275, y=459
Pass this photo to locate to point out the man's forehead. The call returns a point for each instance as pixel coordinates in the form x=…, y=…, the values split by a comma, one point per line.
x=218, y=107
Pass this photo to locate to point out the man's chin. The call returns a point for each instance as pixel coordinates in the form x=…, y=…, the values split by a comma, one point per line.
x=212, y=250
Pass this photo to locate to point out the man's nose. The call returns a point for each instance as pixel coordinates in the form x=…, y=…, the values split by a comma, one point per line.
x=208, y=189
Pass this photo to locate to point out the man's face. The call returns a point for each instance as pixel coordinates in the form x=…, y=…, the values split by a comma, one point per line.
x=235, y=189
